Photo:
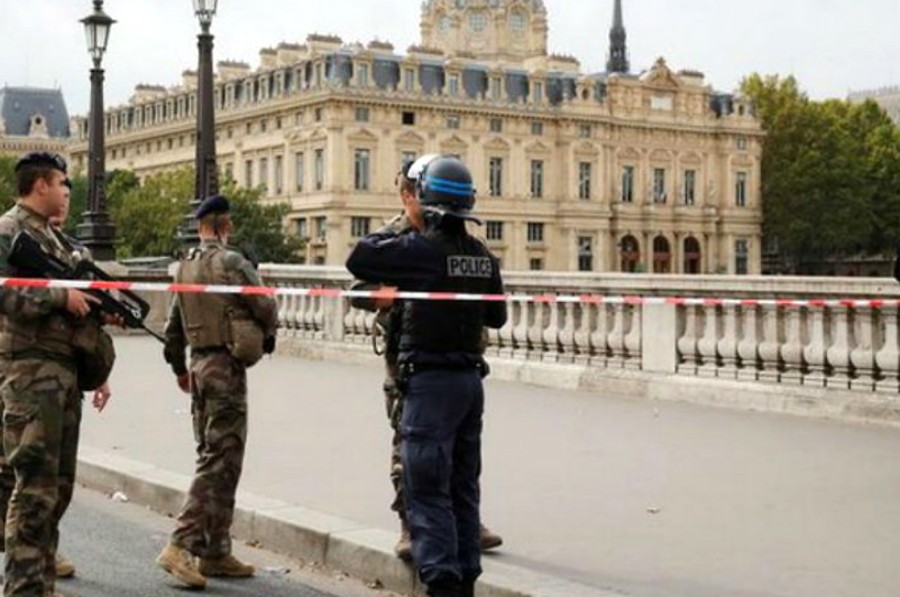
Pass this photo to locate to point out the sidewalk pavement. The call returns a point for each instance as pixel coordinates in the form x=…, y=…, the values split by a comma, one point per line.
x=593, y=494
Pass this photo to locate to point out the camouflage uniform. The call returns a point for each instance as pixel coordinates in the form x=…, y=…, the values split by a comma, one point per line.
x=41, y=412
x=7, y=474
x=219, y=397
x=388, y=325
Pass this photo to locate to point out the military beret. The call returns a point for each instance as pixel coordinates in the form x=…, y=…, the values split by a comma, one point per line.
x=43, y=159
x=216, y=204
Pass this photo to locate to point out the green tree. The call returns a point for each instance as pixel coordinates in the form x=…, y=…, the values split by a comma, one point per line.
x=259, y=228
x=8, y=191
x=829, y=173
x=77, y=203
x=147, y=216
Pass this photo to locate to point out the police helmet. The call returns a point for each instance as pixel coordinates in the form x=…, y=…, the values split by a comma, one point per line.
x=444, y=185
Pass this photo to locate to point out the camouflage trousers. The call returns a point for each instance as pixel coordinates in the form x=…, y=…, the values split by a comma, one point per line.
x=7, y=474
x=41, y=420
x=394, y=404
x=219, y=409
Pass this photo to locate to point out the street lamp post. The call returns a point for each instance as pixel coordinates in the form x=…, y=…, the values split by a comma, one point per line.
x=96, y=230
x=207, y=176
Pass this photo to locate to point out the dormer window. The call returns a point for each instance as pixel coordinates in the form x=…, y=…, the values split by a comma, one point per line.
x=538, y=93
x=363, y=75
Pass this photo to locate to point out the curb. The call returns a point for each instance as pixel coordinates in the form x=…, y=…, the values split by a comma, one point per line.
x=337, y=543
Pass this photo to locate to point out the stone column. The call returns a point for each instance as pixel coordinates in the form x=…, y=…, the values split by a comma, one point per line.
x=678, y=253
x=648, y=251
x=660, y=355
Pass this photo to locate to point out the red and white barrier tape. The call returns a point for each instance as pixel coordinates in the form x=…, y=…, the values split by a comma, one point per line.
x=447, y=296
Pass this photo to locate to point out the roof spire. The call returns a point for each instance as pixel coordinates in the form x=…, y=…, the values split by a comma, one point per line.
x=618, y=50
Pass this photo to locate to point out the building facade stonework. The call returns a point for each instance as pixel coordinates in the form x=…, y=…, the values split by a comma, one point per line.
x=599, y=172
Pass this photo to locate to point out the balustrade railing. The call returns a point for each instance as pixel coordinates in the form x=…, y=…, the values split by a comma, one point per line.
x=846, y=347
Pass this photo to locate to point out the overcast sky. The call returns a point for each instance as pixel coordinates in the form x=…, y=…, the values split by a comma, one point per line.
x=831, y=46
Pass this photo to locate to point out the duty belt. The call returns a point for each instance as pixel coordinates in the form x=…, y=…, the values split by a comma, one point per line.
x=407, y=369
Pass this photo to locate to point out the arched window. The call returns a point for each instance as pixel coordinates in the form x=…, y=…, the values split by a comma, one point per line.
x=662, y=255
x=692, y=255
x=630, y=254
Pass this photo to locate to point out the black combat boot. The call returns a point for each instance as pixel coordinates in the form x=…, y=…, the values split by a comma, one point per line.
x=467, y=588
x=445, y=588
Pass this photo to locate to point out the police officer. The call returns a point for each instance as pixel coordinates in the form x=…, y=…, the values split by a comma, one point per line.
x=387, y=322
x=441, y=347
x=39, y=332
x=226, y=334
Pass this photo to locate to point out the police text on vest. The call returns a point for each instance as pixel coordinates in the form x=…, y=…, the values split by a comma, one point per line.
x=467, y=266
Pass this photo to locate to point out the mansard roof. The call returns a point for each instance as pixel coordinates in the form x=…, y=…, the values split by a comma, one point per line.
x=19, y=106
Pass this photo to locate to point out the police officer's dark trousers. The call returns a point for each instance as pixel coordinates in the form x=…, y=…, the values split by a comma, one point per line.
x=441, y=451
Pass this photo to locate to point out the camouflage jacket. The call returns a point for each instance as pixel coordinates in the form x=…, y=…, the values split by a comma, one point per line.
x=386, y=335
x=236, y=271
x=397, y=226
x=33, y=319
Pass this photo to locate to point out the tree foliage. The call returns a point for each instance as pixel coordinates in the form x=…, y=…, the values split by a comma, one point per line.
x=8, y=191
x=148, y=215
x=830, y=173
x=259, y=228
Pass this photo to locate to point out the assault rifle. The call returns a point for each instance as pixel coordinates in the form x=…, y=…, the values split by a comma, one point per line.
x=30, y=260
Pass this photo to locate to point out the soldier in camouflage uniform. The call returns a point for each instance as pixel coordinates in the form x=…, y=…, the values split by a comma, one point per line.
x=64, y=568
x=226, y=334
x=387, y=321
x=40, y=391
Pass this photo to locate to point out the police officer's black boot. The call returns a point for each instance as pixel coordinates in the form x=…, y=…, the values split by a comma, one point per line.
x=445, y=588
x=467, y=588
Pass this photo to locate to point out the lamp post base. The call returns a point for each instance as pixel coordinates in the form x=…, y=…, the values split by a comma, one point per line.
x=98, y=234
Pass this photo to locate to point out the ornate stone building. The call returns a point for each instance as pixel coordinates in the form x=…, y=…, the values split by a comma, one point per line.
x=609, y=171
x=33, y=119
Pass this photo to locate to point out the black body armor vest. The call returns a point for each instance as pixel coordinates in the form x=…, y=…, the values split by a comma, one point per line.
x=451, y=327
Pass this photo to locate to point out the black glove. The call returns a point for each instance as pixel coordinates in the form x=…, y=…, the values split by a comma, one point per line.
x=269, y=344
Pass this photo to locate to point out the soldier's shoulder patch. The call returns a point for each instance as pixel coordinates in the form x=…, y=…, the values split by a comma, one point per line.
x=9, y=224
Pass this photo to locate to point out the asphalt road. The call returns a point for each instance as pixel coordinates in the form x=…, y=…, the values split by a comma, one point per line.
x=654, y=499
x=114, y=547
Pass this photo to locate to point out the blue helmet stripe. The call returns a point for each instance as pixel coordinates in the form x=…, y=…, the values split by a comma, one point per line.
x=440, y=188
x=452, y=183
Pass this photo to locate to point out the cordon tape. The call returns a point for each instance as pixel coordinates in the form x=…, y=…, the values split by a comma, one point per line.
x=388, y=294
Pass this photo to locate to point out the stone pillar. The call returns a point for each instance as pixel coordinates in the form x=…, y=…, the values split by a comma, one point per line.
x=661, y=354
x=678, y=253
x=334, y=311
x=647, y=251
x=602, y=252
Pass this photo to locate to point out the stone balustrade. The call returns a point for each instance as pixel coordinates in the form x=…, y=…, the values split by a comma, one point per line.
x=841, y=347
x=824, y=348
